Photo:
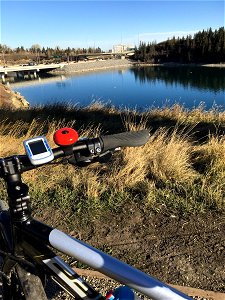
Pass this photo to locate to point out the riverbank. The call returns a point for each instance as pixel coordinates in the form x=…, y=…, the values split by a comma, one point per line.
x=174, y=64
x=11, y=99
x=221, y=65
x=88, y=66
x=96, y=65
x=214, y=65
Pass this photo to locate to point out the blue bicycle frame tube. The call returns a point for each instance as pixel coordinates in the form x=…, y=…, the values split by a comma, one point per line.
x=113, y=267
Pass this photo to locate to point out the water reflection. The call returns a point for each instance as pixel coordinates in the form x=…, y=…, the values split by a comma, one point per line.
x=58, y=79
x=136, y=87
x=202, y=78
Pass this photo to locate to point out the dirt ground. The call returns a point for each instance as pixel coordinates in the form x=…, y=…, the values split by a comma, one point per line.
x=185, y=251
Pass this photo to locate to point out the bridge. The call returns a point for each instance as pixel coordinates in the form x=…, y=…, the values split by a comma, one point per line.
x=27, y=70
x=103, y=55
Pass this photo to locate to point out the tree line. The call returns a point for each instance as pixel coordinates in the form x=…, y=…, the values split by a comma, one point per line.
x=205, y=46
x=48, y=50
x=38, y=53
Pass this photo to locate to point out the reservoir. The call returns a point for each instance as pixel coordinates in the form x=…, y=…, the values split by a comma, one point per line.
x=134, y=87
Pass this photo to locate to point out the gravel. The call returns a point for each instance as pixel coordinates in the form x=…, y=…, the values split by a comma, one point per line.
x=103, y=285
x=88, y=66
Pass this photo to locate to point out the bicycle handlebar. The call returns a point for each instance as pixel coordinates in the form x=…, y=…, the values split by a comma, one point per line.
x=88, y=147
x=125, y=139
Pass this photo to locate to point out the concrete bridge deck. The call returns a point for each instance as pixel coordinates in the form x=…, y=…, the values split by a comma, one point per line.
x=36, y=68
x=5, y=71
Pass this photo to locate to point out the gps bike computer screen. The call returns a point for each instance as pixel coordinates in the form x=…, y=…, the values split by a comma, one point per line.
x=38, y=150
x=37, y=147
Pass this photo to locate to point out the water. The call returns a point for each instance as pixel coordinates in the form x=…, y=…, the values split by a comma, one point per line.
x=134, y=88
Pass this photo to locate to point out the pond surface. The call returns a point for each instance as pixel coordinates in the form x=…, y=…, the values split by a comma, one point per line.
x=139, y=88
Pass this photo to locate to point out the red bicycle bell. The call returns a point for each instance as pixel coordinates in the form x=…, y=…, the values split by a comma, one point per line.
x=65, y=136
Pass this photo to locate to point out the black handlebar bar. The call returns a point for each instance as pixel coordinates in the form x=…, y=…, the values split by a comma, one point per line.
x=88, y=147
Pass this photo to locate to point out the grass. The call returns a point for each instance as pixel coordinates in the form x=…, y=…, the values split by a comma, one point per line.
x=181, y=170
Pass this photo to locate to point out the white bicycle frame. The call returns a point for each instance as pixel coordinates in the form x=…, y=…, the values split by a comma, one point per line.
x=113, y=267
x=36, y=237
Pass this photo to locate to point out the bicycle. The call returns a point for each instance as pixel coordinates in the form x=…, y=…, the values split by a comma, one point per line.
x=26, y=244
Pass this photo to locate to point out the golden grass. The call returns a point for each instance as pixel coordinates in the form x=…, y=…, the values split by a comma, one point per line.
x=164, y=158
x=170, y=169
x=194, y=116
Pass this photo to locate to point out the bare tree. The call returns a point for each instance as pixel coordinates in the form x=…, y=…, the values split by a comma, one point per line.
x=36, y=48
x=4, y=49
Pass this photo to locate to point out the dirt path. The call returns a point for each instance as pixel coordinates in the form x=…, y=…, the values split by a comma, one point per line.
x=188, y=252
x=182, y=251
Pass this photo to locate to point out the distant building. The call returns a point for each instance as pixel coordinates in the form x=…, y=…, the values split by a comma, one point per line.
x=120, y=48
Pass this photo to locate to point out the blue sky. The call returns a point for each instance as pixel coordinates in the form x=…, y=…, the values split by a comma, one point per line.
x=103, y=23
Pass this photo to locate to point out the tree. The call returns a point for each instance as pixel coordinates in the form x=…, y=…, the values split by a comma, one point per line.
x=205, y=46
x=68, y=52
x=4, y=49
x=36, y=49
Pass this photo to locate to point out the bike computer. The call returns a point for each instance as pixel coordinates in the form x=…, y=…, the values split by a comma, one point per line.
x=38, y=150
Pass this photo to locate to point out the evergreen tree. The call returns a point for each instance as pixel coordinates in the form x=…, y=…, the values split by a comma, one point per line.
x=205, y=46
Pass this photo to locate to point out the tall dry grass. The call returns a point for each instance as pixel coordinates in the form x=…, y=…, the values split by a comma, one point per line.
x=164, y=158
x=170, y=170
x=193, y=116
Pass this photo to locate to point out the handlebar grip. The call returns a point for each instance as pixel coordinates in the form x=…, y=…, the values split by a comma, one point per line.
x=125, y=139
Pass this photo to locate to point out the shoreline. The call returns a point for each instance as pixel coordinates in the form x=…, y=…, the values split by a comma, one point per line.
x=11, y=99
x=92, y=66
x=173, y=64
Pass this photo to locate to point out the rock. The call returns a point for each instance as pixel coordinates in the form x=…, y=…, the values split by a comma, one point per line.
x=11, y=99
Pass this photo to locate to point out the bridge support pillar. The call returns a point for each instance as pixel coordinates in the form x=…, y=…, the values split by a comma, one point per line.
x=20, y=74
x=3, y=78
